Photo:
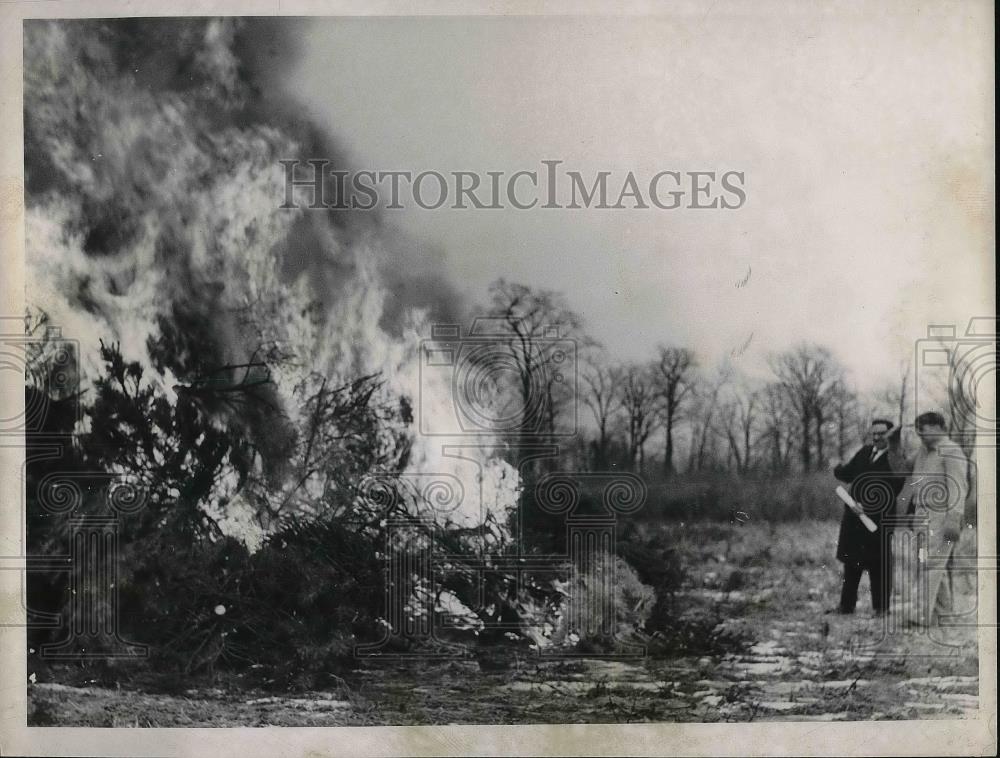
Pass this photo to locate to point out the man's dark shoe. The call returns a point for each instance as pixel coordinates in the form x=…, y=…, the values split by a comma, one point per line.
x=839, y=611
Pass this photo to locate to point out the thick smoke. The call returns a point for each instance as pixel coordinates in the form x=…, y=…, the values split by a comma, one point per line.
x=153, y=182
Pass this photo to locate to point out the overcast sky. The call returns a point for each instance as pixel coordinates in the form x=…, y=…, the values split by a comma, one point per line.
x=862, y=136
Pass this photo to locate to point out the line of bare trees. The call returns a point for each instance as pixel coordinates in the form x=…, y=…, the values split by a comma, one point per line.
x=722, y=418
x=674, y=413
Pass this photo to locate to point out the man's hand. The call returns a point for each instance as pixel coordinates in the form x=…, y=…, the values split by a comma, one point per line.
x=895, y=436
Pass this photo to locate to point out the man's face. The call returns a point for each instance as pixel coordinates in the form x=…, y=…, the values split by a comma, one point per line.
x=879, y=438
x=930, y=435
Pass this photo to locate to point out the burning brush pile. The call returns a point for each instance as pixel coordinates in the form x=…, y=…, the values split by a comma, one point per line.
x=248, y=373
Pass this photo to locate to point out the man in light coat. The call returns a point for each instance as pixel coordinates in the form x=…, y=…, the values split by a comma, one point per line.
x=936, y=491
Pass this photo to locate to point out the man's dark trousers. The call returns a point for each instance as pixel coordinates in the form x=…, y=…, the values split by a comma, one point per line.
x=879, y=576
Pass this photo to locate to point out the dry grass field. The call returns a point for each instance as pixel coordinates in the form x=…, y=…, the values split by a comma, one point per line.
x=760, y=647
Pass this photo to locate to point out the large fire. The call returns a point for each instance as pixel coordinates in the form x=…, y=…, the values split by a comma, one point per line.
x=153, y=194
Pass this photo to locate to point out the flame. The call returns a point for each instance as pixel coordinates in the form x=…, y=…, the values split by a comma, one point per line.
x=153, y=196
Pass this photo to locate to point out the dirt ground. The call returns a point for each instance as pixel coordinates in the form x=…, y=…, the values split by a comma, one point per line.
x=769, y=584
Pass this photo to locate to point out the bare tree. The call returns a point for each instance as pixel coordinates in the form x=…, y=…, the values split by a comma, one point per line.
x=895, y=396
x=738, y=418
x=807, y=373
x=845, y=411
x=825, y=410
x=704, y=430
x=674, y=377
x=639, y=400
x=776, y=435
x=536, y=324
x=600, y=393
x=902, y=397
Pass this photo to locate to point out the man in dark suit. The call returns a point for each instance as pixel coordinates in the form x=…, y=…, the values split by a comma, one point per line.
x=875, y=480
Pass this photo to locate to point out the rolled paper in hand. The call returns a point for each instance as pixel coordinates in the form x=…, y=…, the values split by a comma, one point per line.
x=858, y=511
